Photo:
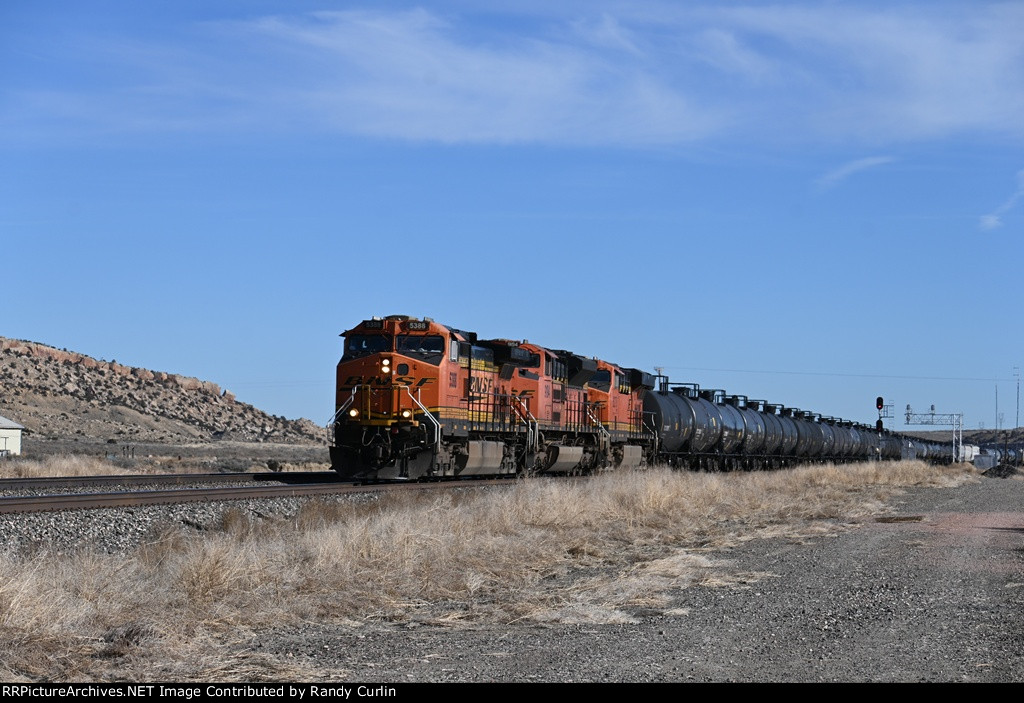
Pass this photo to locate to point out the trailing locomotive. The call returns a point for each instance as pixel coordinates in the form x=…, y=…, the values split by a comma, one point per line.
x=417, y=399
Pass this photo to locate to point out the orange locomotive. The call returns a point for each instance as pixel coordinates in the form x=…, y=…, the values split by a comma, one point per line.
x=417, y=399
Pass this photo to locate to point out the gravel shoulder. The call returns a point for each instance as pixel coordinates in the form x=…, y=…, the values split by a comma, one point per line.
x=935, y=594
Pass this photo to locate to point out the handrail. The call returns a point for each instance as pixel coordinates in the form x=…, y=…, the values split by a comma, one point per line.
x=532, y=426
x=433, y=420
x=597, y=423
x=652, y=433
x=343, y=408
x=351, y=399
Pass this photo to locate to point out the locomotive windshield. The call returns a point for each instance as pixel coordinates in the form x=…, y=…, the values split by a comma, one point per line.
x=429, y=348
x=357, y=345
x=602, y=380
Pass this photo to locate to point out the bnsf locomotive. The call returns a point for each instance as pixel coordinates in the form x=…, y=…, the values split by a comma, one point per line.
x=418, y=399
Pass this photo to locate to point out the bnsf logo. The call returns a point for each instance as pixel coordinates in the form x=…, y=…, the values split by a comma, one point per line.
x=386, y=381
x=481, y=384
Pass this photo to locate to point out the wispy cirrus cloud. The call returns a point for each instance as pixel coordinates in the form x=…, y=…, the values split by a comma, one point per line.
x=599, y=73
x=894, y=73
x=837, y=175
x=994, y=219
x=608, y=32
x=413, y=75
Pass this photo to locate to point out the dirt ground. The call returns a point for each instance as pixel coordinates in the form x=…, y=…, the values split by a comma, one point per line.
x=932, y=592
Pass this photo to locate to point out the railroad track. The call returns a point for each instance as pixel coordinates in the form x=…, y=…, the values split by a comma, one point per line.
x=294, y=487
x=297, y=477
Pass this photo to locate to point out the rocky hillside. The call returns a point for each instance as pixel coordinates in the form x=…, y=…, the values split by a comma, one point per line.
x=58, y=394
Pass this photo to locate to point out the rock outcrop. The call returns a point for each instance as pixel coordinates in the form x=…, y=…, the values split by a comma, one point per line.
x=59, y=394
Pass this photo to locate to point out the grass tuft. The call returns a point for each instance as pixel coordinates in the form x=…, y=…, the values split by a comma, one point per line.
x=62, y=465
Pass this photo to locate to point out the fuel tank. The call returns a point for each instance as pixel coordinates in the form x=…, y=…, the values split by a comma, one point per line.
x=732, y=421
x=673, y=418
x=772, y=426
x=790, y=438
x=707, y=427
x=754, y=427
x=687, y=422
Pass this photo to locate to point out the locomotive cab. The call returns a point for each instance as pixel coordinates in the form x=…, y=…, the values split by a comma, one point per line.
x=388, y=394
x=384, y=376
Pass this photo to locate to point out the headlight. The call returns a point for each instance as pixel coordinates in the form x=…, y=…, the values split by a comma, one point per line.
x=385, y=362
x=407, y=413
x=353, y=413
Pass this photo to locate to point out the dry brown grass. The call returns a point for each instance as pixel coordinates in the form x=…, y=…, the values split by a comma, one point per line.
x=543, y=551
x=88, y=465
x=64, y=465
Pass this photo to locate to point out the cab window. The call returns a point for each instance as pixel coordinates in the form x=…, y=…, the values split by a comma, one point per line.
x=429, y=348
x=358, y=345
x=602, y=380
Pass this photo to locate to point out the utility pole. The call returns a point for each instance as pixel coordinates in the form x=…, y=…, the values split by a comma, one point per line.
x=1016, y=375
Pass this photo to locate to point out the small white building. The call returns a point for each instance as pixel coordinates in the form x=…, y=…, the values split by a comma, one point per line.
x=10, y=437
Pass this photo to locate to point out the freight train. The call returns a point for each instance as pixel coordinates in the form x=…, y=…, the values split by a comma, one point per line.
x=420, y=400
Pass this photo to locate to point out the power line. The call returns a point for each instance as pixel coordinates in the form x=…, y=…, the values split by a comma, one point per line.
x=269, y=384
x=837, y=374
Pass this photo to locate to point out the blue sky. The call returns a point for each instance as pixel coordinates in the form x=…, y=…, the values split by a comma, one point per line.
x=812, y=203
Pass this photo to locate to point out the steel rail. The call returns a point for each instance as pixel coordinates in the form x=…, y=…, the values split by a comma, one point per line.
x=91, y=501
x=10, y=484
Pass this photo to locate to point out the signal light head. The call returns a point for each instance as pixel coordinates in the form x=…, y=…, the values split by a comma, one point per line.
x=879, y=403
